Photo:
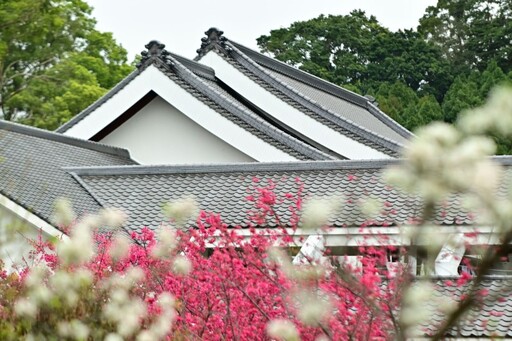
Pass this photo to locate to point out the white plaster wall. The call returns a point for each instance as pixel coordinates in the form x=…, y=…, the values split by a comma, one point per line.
x=160, y=134
x=14, y=231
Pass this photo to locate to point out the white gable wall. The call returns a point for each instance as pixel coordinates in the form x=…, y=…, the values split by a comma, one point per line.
x=161, y=134
x=286, y=113
x=17, y=227
x=152, y=79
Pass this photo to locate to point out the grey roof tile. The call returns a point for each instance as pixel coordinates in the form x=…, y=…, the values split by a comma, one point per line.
x=223, y=189
x=31, y=169
x=490, y=318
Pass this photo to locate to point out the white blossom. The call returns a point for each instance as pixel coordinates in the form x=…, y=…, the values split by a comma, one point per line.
x=120, y=247
x=167, y=242
x=26, y=307
x=283, y=330
x=181, y=266
x=318, y=211
x=181, y=210
x=63, y=214
x=312, y=307
x=112, y=217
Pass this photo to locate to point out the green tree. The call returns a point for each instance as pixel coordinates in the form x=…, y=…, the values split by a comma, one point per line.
x=355, y=49
x=53, y=63
x=471, y=32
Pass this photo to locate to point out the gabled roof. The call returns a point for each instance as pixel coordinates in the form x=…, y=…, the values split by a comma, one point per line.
x=31, y=171
x=200, y=81
x=224, y=188
x=346, y=112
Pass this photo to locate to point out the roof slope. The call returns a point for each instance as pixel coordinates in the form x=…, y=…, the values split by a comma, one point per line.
x=200, y=81
x=346, y=112
x=31, y=168
x=356, y=108
x=223, y=189
x=492, y=318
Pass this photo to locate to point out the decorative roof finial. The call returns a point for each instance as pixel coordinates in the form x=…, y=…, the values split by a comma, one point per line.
x=155, y=49
x=214, y=37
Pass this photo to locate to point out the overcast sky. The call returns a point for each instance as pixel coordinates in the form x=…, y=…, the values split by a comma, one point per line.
x=181, y=24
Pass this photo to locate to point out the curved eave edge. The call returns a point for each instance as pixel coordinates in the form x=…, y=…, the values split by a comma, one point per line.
x=25, y=213
x=298, y=97
x=87, y=111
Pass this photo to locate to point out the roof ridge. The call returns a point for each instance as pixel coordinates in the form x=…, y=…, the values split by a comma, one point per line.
x=233, y=167
x=281, y=166
x=61, y=138
x=196, y=67
x=214, y=39
x=324, y=85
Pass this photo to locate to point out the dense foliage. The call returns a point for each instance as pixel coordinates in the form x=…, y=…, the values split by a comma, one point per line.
x=53, y=62
x=460, y=50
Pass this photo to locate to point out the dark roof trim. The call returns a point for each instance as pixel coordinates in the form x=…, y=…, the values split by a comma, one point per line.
x=302, y=76
x=214, y=40
x=235, y=167
x=86, y=188
x=197, y=68
x=323, y=85
x=73, y=141
x=253, y=67
x=129, y=113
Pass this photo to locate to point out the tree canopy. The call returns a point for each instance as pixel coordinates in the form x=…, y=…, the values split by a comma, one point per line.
x=460, y=50
x=53, y=62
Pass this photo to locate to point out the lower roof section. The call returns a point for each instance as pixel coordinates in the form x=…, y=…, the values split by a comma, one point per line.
x=231, y=190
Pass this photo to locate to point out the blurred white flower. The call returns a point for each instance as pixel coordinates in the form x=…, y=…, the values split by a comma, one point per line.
x=113, y=337
x=166, y=300
x=63, y=214
x=371, y=207
x=167, y=242
x=41, y=294
x=317, y=212
x=283, y=330
x=120, y=247
x=181, y=210
x=416, y=298
x=181, y=266
x=80, y=248
x=112, y=217
x=74, y=329
x=26, y=307
x=312, y=307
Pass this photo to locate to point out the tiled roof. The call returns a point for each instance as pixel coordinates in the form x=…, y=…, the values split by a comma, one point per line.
x=200, y=81
x=31, y=164
x=223, y=189
x=492, y=317
x=374, y=128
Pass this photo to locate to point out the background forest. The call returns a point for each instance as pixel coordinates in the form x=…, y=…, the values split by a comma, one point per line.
x=54, y=62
